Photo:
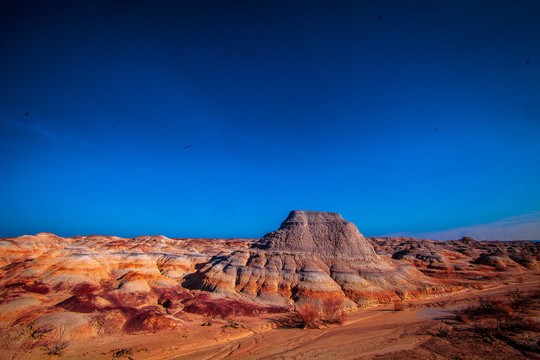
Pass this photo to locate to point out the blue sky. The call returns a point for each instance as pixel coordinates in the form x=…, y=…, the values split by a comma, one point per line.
x=215, y=119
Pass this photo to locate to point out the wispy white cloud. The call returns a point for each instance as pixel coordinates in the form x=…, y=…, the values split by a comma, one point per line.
x=28, y=126
x=40, y=130
x=521, y=227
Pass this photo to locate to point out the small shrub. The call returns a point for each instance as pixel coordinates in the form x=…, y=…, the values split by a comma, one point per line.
x=486, y=327
x=519, y=301
x=507, y=321
x=311, y=316
x=444, y=331
x=126, y=352
x=308, y=315
x=123, y=353
x=488, y=307
x=56, y=349
x=233, y=324
x=333, y=312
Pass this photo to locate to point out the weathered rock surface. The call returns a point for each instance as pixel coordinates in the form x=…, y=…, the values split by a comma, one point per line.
x=314, y=255
x=93, y=285
x=466, y=261
x=87, y=285
x=321, y=233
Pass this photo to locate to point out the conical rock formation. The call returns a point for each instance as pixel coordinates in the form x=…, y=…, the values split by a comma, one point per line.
x=322, y=233
x=313, y=255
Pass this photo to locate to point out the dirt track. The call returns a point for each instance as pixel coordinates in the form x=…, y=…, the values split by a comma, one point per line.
x=367, y=334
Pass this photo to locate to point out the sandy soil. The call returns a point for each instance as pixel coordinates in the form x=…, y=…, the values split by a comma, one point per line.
x=377, y=332
x=369, y=333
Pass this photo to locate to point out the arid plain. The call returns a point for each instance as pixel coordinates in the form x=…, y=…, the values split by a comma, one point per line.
x=316, y=288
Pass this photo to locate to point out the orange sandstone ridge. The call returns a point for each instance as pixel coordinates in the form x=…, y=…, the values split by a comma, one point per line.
x=88, y=286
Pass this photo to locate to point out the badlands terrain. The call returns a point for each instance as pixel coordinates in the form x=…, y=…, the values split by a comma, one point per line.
x=316, y=288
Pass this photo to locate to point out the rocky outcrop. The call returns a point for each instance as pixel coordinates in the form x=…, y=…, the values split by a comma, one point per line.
x=321, y=233
x=466, y=261
x=313, y=255
x=497, y=260
x=105, y=284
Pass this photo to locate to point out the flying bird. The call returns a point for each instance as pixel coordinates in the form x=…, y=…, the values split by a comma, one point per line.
x=528, y=61
x=25, y=114
x=186, y=147
x=379, y=18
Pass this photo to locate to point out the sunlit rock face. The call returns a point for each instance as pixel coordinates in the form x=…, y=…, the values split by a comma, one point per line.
x=321, y=233
x=86, y=285
x=121, y=284
x=465, y=260
x=313, y=255
x=275, y=278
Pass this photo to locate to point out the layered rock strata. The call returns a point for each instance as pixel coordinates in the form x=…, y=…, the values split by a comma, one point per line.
x=98, y=285
x=464, y=261
x=314, y=255
x=321, y=233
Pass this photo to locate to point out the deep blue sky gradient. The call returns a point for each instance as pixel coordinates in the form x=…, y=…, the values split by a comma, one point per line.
x=423, y=120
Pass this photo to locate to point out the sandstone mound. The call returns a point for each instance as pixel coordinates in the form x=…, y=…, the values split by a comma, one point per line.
x=322, y=233
x=86, y=286
x=313, y=255
x=465, y=261
x=498, y=260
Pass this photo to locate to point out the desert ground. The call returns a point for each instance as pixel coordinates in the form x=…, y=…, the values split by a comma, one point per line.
x=378, y=332
x=316, y=288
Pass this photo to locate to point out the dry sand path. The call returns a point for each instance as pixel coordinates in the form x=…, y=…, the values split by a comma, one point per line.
x=368, y=333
